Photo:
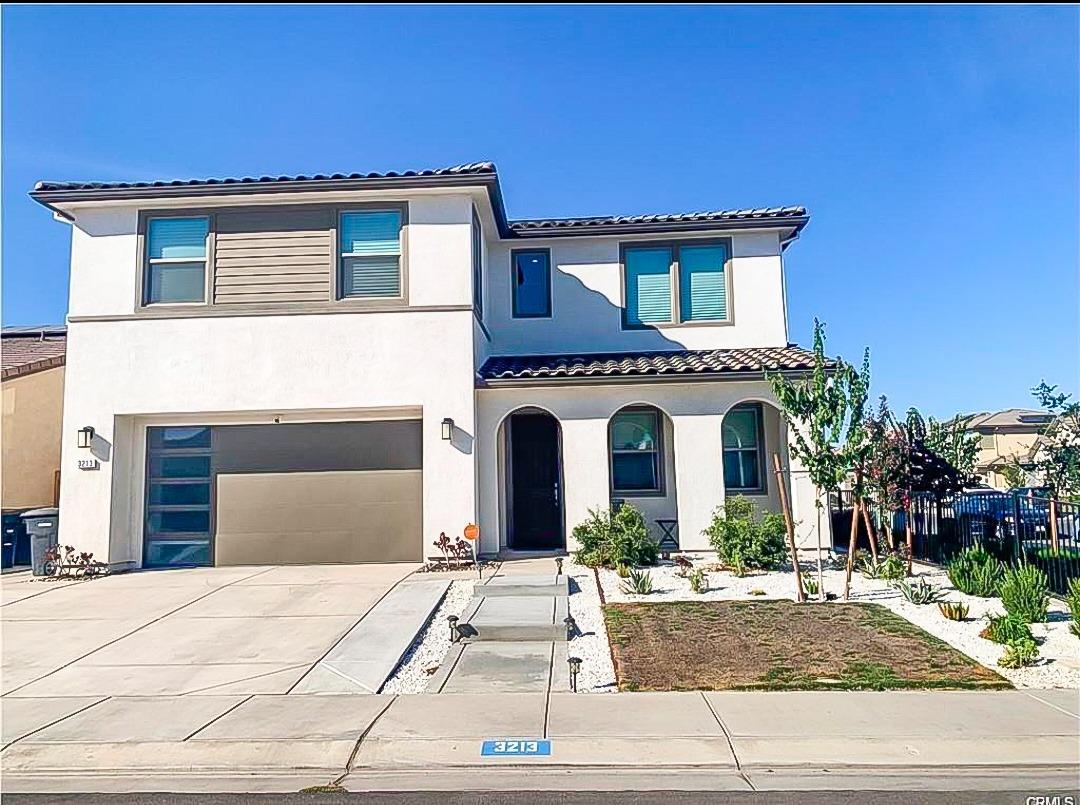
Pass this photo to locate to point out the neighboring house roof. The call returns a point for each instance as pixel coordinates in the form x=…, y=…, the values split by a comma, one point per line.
x=471, y=174
x=25, y=350
x=1018, y=420
x=677, y=364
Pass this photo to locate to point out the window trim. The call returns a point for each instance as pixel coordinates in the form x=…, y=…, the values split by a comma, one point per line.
x=337, y=297
x=674, y=274
x=142, y=284
x=659, y=451
x=763, y=486
x=513, y=284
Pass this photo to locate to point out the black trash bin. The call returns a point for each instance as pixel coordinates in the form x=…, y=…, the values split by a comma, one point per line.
x=42, y=526
x=16, y=545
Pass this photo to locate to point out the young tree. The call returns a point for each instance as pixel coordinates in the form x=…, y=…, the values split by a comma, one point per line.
x=857, y=448
x=1057, y=455
x=825, y=409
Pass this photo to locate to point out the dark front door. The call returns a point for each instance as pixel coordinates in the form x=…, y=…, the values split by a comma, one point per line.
x=536, y=513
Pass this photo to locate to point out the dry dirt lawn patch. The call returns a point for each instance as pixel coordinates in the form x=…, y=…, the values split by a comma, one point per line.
x=781, y=645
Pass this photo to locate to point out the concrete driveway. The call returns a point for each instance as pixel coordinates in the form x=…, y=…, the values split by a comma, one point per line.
x=217, y=631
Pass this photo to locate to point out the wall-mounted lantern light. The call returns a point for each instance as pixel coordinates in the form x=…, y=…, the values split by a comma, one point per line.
x=86, y=436
x=447, y=429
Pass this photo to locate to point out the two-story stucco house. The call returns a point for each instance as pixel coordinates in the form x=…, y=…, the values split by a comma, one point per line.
x=338, y=368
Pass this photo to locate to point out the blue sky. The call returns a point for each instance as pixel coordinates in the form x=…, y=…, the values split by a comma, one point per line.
x=936, y=148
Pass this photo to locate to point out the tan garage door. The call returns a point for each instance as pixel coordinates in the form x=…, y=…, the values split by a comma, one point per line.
x=318, y=517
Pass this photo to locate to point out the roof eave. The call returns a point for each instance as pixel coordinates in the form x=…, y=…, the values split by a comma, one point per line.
x=614, y=379
x=793, y=223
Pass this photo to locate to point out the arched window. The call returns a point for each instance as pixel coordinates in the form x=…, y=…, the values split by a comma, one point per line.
x=634, y=441
x=744, y=450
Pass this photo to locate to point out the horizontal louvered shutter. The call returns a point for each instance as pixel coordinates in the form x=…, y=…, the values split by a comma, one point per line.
x=178, y=238
x=648, y=285
x=702, y=283
x=371, y=276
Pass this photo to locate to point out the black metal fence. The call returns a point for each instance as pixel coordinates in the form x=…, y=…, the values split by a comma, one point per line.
x=1014, y=527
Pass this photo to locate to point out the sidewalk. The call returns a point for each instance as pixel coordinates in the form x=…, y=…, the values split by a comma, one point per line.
x=687, y=741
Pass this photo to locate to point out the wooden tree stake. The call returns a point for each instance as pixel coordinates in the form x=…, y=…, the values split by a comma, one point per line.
x=856, y=509
x=778, y=469
x=871, y=534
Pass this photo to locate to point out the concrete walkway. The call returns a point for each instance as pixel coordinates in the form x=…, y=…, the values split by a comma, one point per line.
x=726, y=740
x=514, y=634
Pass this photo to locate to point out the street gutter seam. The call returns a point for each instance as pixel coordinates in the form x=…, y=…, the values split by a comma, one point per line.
x=136, y=629
x=360, y=739
x=245, y=700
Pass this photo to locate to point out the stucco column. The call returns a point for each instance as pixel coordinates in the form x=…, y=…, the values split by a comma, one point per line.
x=585, y=471
x=699, y=475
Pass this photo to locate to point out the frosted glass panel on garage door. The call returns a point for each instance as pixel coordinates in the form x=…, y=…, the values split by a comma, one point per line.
x=178, y=471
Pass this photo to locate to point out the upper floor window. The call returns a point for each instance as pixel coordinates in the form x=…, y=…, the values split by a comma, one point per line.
x=676, y=283
x=477, y=265
x=635, y=451
x=743, y=450
x=176, y=260
x=531, y=282
x=370, y=244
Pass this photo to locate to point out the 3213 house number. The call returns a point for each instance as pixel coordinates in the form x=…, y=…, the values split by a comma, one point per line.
x=516, y=747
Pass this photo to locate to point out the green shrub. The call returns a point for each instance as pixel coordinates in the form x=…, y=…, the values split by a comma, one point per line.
x=1073, y=600
x=810, y=587
x=975, y=572
x=698, y=581
x=622, y=570
x=608, y=538
x=953, y=610
x=890, y=567
x=1019, y=653
x=639, y=582
x=740, y=537
x=920, y=592
x=1047, y=554
x=1024, y=593
x=1003, y=628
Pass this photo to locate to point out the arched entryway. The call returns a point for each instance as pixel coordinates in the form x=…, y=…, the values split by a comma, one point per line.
x=532, y=449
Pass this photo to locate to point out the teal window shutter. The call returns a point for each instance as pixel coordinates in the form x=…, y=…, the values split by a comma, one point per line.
x=648, y=285
x=703, y=283
x=371, y=253
x=178, y=238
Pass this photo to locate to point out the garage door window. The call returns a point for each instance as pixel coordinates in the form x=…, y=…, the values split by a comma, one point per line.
x=178, y=496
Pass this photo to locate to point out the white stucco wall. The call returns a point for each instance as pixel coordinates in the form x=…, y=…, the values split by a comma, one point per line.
x=695, y=410
x=124, y=375
x=587, y=294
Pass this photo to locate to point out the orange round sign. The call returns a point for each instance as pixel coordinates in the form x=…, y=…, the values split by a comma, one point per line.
x=472, y=531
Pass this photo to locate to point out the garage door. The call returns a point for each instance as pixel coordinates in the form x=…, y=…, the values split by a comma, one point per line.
x=300, y=493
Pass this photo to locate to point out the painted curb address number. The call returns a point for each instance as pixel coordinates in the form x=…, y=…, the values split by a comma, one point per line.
x=515, y=748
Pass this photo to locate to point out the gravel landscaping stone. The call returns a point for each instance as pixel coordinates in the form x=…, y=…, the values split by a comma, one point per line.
x=591, y=642
x=431, y=645
x=1058, y=667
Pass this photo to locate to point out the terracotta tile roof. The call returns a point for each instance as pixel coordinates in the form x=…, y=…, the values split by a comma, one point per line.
x=25, y=350
x=532, y=226
x=472, y=169
x=473, y=173
x=697, y=363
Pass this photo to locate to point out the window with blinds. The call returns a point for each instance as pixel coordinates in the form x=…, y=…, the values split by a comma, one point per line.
x=743, y=450
x=370, y=253
x=676, y=283
x=176, y=260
